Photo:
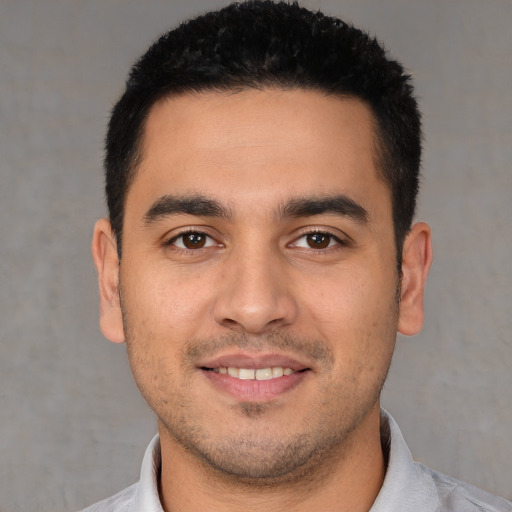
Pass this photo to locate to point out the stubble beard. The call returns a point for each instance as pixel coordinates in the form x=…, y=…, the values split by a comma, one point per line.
x=257, y=457
x=254, y=456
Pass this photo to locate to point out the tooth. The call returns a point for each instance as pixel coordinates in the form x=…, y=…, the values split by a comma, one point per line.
x=263, y=374
x=277, y=371
x=246, y=374
x=251, y=374
x=233, y=372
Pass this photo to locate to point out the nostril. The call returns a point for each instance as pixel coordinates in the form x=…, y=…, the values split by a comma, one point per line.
x=232, y=325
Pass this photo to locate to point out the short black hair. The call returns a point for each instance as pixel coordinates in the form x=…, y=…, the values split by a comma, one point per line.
x=265, y=44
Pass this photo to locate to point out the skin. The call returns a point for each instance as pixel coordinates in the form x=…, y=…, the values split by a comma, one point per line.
x=317, y=288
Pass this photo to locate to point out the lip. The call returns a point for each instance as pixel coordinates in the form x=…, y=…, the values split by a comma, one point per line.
x=244, y=360
x=254, y=390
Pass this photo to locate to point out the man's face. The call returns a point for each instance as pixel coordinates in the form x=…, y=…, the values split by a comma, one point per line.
x=258, y=279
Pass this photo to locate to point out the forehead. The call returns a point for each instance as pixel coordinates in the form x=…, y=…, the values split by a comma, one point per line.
x=257, y=144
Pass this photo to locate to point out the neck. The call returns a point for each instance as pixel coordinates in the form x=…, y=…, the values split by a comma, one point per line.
x=347, y=479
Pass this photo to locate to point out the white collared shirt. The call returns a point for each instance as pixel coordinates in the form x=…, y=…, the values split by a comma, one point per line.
x=408, y=486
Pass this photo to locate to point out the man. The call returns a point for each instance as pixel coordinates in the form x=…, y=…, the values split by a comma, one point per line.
x=260, y=257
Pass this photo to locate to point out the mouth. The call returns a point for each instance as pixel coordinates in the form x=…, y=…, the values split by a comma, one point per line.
x=253, y=374
x=255, y=378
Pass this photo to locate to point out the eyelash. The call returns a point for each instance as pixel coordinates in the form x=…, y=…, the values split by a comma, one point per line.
x=210, y=241
x=338, y=242
x=190, y=233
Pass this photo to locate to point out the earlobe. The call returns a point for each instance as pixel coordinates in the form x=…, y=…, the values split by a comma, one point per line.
x=416, y=261
x=104, y=253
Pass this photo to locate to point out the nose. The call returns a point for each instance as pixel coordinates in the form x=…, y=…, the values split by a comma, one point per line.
x=255, y=294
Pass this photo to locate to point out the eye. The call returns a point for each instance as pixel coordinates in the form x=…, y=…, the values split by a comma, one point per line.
x=317, y=240
x=192, y=240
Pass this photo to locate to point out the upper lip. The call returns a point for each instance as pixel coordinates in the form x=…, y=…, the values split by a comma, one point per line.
x=256, y=361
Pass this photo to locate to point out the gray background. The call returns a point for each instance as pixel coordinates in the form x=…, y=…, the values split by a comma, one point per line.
x=73, y=428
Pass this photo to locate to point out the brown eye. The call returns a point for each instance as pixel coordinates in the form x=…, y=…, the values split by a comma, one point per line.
x=192, y=240
x=318, y=240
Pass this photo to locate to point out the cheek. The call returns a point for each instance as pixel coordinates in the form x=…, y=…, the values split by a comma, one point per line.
x=157, y=320
x=355, y=310
x=166, y=303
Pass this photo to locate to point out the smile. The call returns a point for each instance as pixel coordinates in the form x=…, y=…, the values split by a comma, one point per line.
x=247, y=379
x=254, y=374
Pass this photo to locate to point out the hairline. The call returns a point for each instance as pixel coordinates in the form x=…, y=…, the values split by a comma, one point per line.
x=380, y=153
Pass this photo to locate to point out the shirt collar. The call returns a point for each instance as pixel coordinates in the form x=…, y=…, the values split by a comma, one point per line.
x=405, y=487
x=147, y=497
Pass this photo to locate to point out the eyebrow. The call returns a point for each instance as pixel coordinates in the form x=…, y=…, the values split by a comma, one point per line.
x=197, y=205
x=338, y=204
x=202, y=206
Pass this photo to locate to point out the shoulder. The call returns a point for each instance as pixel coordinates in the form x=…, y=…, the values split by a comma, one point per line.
x=141, y=496
x=409, y=485
x=457, y=496
x=120, y=502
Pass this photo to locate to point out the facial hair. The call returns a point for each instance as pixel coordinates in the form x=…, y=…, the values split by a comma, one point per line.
x=260, y=456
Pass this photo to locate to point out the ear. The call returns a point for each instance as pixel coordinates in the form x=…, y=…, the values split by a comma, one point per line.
x=416, y=261
x=104, y=253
